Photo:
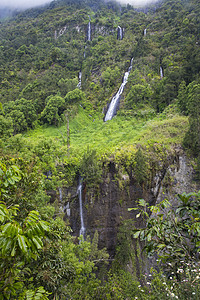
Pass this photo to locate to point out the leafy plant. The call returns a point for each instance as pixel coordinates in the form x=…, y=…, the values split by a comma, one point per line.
x=171, y=233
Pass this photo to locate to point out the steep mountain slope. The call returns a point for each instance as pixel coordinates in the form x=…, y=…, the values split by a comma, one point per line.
x=60, y=66
x=42, y=50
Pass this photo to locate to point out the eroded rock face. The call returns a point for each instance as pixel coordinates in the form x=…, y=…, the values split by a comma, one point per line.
x=110, y=209
x=178, y=179
x=105, y=209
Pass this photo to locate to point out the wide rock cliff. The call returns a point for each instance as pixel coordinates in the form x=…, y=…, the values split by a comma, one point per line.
x=106, y=208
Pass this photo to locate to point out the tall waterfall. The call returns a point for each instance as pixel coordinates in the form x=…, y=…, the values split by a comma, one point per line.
x=119, y=33
x=145, y=32
x=161, y=72
x=79, y=191
x=89, y=30
x=80, y=80
x=115, y=100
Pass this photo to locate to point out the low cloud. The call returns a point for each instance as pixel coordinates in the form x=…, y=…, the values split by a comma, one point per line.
x=30, y=3
x=137, y=3
x=22, y=3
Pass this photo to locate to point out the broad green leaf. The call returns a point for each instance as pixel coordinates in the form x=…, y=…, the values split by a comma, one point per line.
x=22, y=243
x=38, y=242
x=136, y=235
x=6, y=246
x=161, y=246
x=13, y=250
x=142, y=202
x=10, y=229
x=29, y=295
x=44, y=225
x=134, y=208
x=138, y=215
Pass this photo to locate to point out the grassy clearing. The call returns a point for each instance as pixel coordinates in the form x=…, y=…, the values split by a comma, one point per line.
x=108, y=137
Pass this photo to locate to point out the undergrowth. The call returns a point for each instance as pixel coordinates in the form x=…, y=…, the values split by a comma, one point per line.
x=109, y=137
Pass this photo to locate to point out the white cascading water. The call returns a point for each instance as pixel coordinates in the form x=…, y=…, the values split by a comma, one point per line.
x=80, y=80
x=79, y=191
x=145, y=32
x=60, y=194
x=119, y=33
x=62, y=31
x=89, y=30
x=161, y=72
x=115, y=100
x=61, y=199
x=68, y=210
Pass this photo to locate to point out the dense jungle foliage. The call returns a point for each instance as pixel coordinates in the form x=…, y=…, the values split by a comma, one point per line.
x=56, y=85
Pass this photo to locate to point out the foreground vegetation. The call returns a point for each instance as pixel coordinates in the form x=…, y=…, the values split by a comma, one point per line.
x=38, y=253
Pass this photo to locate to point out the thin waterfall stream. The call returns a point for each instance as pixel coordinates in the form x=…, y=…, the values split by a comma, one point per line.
x=80, y=80
x=115, y=100
x=89, y=30
x=79, y=191
x=61, y=199
x=119, y=33
x=161, y=72
x=60, y=194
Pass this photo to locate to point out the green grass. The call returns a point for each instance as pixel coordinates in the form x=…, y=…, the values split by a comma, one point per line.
x=108, y=137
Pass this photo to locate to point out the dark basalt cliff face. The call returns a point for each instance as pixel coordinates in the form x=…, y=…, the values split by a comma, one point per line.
x=106, y=209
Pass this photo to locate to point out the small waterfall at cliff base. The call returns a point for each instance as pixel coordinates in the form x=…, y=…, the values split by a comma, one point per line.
x=61, y=200
x=60, y=194
x=79, y=191
x=115, y=100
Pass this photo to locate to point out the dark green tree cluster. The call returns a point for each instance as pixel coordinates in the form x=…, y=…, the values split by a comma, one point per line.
x=188, y=101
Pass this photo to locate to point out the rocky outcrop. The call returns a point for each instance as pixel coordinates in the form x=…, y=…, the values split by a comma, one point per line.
x=106, y=209
x=178, y=179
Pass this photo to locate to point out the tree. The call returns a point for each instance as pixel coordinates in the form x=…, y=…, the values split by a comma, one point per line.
x=138, y=95
x=53, y=110
x=192, y=137
x=172, y=234
x=67, y=85
x=110, y=77
x=19, y=121
x=75, y=96
x=28, y=109
x=140, y=168
x=182, y=98
x=20, y=241
x=91, y=168
x=6, y=126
